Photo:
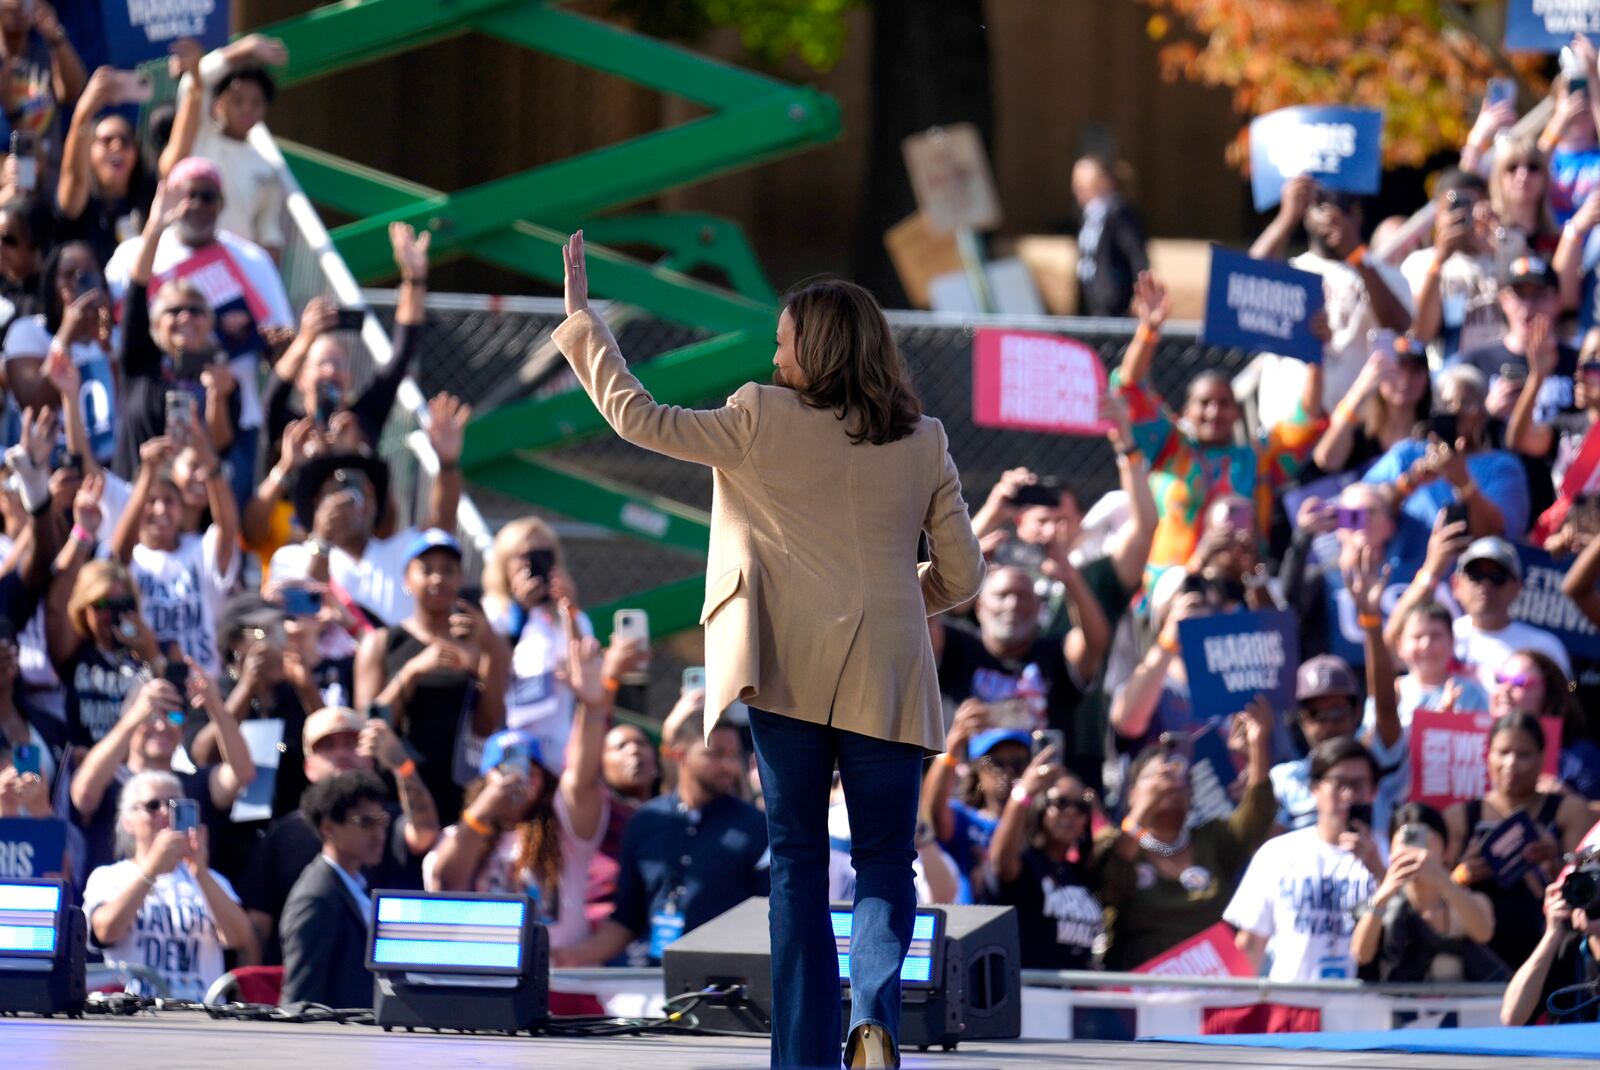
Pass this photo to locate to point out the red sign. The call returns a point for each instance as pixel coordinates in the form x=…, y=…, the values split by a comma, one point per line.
x=1583, y=474
x=1450, y=755
x=1209, y=953
x=1036, y=382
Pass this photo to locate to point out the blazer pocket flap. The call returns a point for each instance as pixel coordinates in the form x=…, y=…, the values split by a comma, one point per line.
x=718, y=592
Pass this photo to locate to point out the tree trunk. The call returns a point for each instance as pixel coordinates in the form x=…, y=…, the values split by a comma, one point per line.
x=930, y=67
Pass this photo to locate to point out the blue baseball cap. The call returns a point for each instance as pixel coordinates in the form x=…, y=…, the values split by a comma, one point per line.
x=984, y=742
x=432, y=539
x=506, y=745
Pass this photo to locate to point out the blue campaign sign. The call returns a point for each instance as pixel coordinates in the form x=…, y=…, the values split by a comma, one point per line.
x=1232, y=657
x=1342, y=148
x=139, y=30
x=1211, y=774
x=1547, y=25
x=1543, y=605
x=1262, y=305
x=32, y=846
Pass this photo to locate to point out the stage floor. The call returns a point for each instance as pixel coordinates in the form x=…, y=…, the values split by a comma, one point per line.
x=183, y=1040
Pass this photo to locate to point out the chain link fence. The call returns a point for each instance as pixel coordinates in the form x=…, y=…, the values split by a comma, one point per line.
x=491, y=351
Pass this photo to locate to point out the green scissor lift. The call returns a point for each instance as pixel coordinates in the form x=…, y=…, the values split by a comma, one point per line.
x=520, y=222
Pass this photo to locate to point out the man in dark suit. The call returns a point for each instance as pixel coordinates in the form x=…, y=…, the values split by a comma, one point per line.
x=1111, y=249
x=326, y=920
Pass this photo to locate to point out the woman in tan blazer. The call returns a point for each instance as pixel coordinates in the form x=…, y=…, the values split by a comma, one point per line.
x=816, y=616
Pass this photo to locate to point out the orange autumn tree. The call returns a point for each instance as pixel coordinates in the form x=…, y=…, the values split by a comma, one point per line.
x=1424, y=62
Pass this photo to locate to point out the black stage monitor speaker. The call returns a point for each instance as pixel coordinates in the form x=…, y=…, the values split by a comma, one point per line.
x=42, y=941
x=961, y=979
x=458, y=960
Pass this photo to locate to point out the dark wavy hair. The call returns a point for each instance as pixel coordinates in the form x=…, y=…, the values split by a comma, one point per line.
x=851, y=364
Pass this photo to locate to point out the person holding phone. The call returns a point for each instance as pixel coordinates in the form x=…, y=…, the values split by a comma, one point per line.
x=106, y=188
x=1422, y=477
x=1039, y=863
x=1569, y=134
x=1391, y=394
x=527, y=827
x=314, y=376
x=1309, y=935
x=442, y=669
x=815, y=615
x=163, y=906
x=524, y=581
x=1420, y=925
x=145, y=738
x=1516, y=756
x=1453, y=283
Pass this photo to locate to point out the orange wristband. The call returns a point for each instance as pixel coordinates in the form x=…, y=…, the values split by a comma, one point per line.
x=475, y=825
x=948, y=760
x=1462, y=875
x=1434, y=267
x=405, y=769
x=1145, y=333
x=1169, y=645
x=611, y=684
x=1357, y=255
x=1369, y=620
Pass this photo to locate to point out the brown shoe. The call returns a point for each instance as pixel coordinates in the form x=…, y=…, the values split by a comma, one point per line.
x=871, y=1048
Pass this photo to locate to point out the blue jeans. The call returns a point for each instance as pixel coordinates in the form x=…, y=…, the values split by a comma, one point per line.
x=881, y=781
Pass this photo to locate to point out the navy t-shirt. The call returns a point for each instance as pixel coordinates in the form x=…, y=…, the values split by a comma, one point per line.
x=713, y=859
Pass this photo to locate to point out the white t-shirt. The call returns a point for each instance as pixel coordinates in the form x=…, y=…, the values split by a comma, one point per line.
x=232, y=273
x=174, y=934
x=182, y=591
x=537, y=702
x=499, y=873
x=1469, y=316
x=252, y=194
x=1350, y=317
x=1298, y=892
x=1482, y=653
x=376, y=580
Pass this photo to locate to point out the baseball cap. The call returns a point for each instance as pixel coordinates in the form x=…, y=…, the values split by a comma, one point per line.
x=497, y=746
x=192, y=167
x=1324, y=676
x=330, y=721
x=432, y=539
x=1528, y=269
x=986, y=741
x=1494, y=548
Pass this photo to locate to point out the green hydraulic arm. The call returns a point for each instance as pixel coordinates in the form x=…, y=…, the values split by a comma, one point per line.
x=519, y=222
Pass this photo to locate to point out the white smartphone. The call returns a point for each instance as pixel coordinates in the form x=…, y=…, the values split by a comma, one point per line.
x=694, y=678
x=632, y=624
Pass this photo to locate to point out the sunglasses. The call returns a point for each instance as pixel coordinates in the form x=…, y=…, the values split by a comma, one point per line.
x=1513, y=679
x=9, y=240
x=114, y=605
x=204, y=196
x=172, y=717
x=152, y=806
x=1589, y=366
x=176, y=311
x=368, y=822
x=1058, y=802
x=1494, y=577
x=1322, y=716
x=1533, y=167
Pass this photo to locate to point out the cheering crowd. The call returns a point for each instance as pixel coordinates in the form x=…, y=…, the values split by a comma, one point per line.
x=251, y=695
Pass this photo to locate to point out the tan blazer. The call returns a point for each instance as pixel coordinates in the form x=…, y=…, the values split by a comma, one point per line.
x=815, y=605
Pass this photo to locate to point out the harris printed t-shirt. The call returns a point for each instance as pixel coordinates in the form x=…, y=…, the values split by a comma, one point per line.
x=1299, y=891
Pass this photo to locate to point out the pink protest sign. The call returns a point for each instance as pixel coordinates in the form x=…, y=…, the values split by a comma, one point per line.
x=1450, y=755
x=1036, y=382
